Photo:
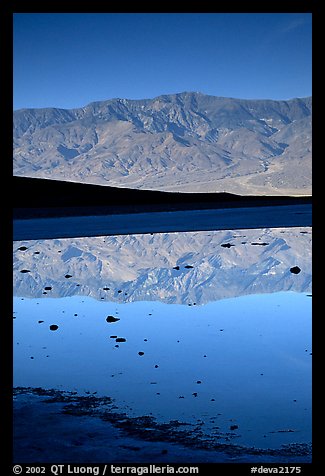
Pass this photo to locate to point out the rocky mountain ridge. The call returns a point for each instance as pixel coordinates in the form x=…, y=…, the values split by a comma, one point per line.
x=179, y=142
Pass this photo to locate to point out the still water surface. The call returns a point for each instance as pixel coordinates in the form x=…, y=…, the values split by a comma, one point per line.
x=240, y=367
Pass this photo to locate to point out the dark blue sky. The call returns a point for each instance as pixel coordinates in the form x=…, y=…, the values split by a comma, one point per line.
x=69, y=60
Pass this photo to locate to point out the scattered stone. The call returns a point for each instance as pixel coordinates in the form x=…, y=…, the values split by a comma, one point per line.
x=48, y=288
x=181, y=396
x=213, y=399
x=116, y=345
x=188, y=266
x=44, y=292
x=112, y=319
x=113, y=337
x=176, y=267
x=54, y=327
x=22, y=248
x=32, y=357
x=260, y=244
x=68, y=276
x=141, y=353
x=198, y=381
x=106, y=289
x=295, y=270
x=119, y=291
x=40, y=322
x=120, y=339
x=25, y=270
x=75, y=314
x=194, y=394
x=233, y=427
x=227, y=245
x=156, y=366
x=36, y=252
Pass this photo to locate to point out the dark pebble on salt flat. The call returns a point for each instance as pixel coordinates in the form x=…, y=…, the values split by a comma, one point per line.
x=120, y=339
x=176, y=267
x=188, y=266
x=54, y=327
x=141, y=353
x=227, y=245
x=68, y=276
x=22, y=248
x=25, y=270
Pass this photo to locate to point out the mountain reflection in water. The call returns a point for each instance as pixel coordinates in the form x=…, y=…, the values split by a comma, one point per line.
x=184, y=268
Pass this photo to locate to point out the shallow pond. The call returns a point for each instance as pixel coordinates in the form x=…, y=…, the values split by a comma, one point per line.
x=180, y=327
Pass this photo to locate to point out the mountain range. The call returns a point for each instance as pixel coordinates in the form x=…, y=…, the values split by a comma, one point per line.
x=186, y=142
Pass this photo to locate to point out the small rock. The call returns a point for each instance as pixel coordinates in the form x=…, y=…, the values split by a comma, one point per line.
x=25, y=270
x=22, y=248
x=176, y=267
x=54, y=327
x=198, y=381
x=227, y=245
x=188, y=266
x=233, y=427
x=141, y=353
x=120, y=339
x=48, y=288
x=295, y=270
x=40, y=322
x=112, y=319
x=68, y=276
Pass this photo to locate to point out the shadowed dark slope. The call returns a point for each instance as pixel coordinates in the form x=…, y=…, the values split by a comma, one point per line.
x=34, y=197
